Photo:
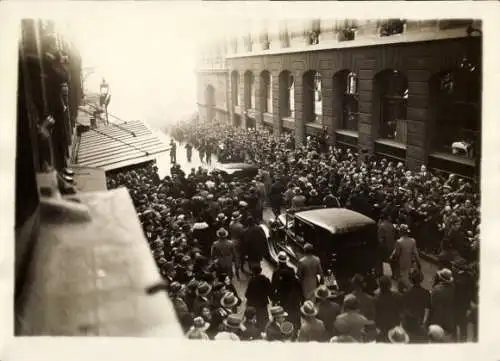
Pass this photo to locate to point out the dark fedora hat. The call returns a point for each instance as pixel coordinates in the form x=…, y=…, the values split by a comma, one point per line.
x=229, y=300
x=233, y=321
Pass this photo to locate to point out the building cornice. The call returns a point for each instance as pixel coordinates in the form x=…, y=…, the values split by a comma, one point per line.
x=410, y=37
x=212, y=70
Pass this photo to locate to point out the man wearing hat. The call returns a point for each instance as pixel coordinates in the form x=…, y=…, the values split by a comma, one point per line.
x=350, y=322
x=328, y=310
x=405, y=254
x=198, y=330
x=251, y=331
x=273, y=328
x=233, y=324
x=287, y=291
x=201, y=300
x=254, y=242
x=443, y=301
x=309, y=271
x=236, y=232
x=312, y=329
x=223, y=252
x=258, y=295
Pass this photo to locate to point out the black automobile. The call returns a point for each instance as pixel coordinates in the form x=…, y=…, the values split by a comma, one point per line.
x=231, y=171
x=344, y=240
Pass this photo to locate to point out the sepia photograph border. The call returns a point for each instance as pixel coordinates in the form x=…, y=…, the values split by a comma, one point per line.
x=100, y=348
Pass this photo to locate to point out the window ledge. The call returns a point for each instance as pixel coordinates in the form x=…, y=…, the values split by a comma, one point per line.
x=289, y=119
x=391, y=143
x=314, y=125
x=349, y=133
x=98, y=267
x=454, y=158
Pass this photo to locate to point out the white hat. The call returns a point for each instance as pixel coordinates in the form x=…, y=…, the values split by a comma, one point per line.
x=436, y=333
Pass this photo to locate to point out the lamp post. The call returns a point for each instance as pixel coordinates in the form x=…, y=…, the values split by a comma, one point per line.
x=104, y=99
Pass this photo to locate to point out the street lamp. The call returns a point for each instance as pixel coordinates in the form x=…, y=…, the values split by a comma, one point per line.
x=104, y=99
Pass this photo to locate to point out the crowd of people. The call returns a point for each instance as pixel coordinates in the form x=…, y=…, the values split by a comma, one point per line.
x=204, y=233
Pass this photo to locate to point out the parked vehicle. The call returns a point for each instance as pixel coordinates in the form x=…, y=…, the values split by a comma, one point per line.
x=232, y=171
x=344, y=240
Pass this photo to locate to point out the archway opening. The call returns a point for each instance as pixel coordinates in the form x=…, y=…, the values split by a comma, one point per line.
x=313, y=97
x=287, y=94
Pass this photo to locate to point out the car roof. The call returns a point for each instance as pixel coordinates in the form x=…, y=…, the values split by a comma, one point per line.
x=335, y=220
x=235, y=166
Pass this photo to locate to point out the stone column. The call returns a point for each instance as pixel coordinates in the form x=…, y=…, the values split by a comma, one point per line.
x=327, y=104
x=337, y=95
x=278, y=105
x=417, y=144
x=258, y=106
x=368, y=101
x=299, y=109
x=243, y=101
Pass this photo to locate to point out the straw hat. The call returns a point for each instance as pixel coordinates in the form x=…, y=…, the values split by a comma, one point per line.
x=398, y=335
x=308, y=309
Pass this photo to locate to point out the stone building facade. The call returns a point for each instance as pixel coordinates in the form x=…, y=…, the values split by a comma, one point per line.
x=405, y=90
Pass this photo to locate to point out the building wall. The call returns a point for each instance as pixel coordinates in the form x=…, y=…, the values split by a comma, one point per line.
x=417, y=61
x=218, y=82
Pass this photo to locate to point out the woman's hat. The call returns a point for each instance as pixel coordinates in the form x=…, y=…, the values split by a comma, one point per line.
x=287, y=328
x=229, y=300
x=203, y=289
x=282, y=257
x=233, y=321
x=322, y=293
x=445, y=275
x=308, y=309
x=222, y=233
x=200, y=324
x=277, y=311
x=398, y=335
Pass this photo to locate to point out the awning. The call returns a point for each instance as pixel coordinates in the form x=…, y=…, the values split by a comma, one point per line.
x=118, y=145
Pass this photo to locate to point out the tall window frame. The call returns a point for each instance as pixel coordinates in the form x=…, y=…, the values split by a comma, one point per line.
x=393, y=87
x=458, y=112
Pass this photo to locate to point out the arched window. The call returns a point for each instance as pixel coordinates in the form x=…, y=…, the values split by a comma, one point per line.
x=457, y=106
x=286, y=94
x=235, y=93
x=267, y=98
x=313, y=95
x=345, y=84
x=392, y=89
